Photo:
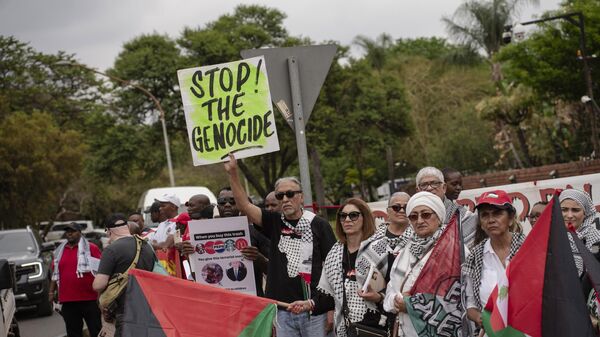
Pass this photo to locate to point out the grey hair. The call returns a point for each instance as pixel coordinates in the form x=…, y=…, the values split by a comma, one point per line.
x=398, y=194
x=429, y=171
x=292, y=179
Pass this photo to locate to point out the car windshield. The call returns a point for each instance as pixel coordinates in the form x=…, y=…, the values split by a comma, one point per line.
x=16, y=242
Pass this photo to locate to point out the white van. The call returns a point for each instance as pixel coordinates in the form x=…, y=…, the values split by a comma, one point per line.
x=184, y=193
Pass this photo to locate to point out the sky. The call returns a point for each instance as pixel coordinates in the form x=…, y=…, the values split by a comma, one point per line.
x=95, y=30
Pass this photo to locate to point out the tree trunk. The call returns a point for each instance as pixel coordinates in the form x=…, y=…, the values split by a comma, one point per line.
x=523, y=144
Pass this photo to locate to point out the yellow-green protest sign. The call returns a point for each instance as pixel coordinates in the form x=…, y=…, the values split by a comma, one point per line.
x=228, y=109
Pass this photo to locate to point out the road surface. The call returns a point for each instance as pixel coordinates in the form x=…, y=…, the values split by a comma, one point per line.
x=33, y=326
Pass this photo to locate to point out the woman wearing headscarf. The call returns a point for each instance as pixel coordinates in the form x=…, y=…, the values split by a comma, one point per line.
x=490, y=257
x=426, y=212
x=579, y=213
x=337, y=287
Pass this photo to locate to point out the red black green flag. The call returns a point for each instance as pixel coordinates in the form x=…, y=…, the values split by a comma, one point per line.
x=540, y=295
x=434, y=302
x=157, y=305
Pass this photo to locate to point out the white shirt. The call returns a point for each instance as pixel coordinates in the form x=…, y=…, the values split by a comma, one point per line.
x=491, y=268
x=163, y=231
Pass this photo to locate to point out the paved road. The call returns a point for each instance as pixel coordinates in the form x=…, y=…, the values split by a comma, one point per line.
x=33, y=326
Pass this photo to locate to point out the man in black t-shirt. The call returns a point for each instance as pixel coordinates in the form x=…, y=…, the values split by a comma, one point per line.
x=300, y=241
x=117, y=257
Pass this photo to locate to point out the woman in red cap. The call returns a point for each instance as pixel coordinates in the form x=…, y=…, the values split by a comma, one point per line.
x=490, y=257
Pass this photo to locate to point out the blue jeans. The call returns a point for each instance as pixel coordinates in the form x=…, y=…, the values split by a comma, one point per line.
x=301, y=325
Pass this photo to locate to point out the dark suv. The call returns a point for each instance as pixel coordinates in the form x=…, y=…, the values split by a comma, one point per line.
x=32, y=260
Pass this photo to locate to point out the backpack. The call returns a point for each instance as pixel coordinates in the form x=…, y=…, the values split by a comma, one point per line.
x=117, y=283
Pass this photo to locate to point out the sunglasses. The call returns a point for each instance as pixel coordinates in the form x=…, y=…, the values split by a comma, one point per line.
x=415, y=216
x=353, y=215
x=224, y=201
x=432, y=184
x=288, y=194
x=398, y=208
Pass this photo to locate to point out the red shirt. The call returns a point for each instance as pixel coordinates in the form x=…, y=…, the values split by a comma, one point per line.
x=72, y=288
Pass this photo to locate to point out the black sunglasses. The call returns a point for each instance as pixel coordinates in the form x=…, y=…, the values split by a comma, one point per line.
x=353, y=215
x=415, y=216
x=398, y=208
x=224, y=201
x=288, y=194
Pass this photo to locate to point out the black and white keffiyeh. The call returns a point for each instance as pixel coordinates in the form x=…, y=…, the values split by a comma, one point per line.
x=332, y=283
x=587, y=231
x=415, y=249
x=375, y=251
x=473, y=266
x=84, y=257
x=468, y=223
x=293, y=247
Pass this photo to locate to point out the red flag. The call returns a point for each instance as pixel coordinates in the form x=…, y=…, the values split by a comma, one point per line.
x=157, y=305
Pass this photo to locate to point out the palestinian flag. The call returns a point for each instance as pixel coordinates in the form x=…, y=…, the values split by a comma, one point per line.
x=541, y=294
x=157, y=305
x=433, y=303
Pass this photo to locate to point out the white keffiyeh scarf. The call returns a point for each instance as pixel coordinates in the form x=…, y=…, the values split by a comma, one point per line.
x=375, y=251
x=84, y=257
x=292, y=247
x=332, y=283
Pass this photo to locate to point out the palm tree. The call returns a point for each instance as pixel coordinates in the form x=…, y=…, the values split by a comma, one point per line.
x=481, y=23
x=376, y=50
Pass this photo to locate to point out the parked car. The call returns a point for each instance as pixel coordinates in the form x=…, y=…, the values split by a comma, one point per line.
x=8, y=322
x=57, y=230
x=32, y=260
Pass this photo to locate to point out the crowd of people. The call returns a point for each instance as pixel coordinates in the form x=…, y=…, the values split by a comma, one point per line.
x=322, y=277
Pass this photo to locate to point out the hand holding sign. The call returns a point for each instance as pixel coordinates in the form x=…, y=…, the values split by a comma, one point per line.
x=231, y=165
x=228, y=109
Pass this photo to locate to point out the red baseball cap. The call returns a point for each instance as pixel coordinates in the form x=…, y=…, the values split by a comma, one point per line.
x=498, y=198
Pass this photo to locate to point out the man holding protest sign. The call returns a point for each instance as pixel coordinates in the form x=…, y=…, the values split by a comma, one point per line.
x=300, y=241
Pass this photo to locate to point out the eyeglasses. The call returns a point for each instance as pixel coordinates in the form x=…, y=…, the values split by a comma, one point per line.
x=432, y=184
x=288, y=194
x=533, y=216
x=224, y=201
x=415, y=216
x=398, y=208
x=353, y=215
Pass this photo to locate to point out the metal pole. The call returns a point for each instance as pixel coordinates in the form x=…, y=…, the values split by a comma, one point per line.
x=390, y=162
x=299, y=130
x=167, y=150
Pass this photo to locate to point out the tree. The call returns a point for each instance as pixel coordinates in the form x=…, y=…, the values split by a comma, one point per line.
x=31, y=81
x=38, y=161
x=375, y=50
x=481, y=23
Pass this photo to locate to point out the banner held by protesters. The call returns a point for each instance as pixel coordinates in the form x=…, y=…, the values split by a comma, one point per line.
x=228, y=109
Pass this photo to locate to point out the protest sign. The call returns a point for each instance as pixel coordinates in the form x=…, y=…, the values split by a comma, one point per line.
x=228, y=109
x=217, y=260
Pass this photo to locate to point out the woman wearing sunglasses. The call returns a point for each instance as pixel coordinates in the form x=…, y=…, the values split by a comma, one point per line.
x=338, y=288
x=426, y=212
x=490, y=257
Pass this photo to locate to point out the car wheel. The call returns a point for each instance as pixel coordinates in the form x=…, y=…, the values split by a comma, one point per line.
x=45, y=308
x=14, y=329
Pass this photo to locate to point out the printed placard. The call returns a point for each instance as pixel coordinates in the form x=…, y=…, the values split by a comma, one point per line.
x=217, y=260
x=228, y=109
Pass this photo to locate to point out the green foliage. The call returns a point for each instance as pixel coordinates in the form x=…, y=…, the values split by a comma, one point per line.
x=151, y=61
x=481, y=22
x=31, y=81
x=250, y=26
x=38, y=160
x=547, y=60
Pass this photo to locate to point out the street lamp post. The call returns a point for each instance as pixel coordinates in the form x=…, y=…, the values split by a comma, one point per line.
x=577, y=19
x=154, y=100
